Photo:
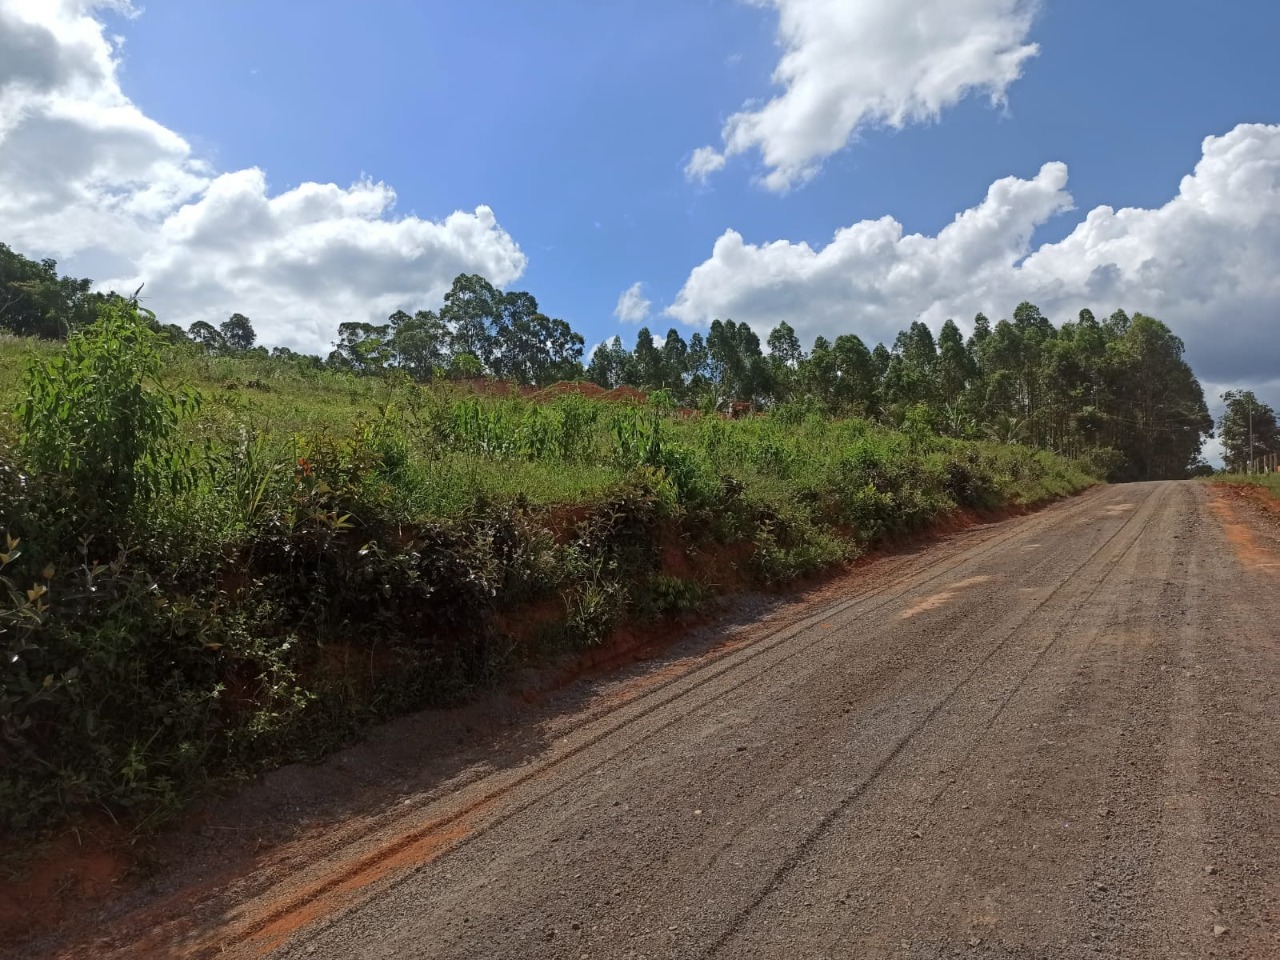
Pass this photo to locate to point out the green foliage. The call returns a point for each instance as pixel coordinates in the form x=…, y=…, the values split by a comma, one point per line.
x=344, y=547
x=1247, y=428
x=665, y=596
x=109, y=694
x=98, y=418
x=238, y=334
x=1268, y=481
x=1120, y=386
x=36, y=302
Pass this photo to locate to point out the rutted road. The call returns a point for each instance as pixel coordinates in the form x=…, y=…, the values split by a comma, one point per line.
x=1052, y=737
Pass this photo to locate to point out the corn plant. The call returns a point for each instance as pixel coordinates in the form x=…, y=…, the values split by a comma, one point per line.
x=99, y=416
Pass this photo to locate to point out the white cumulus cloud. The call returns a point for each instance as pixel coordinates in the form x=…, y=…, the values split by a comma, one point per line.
x=704, y=162
x=1205, y=263
x=632, y=306
x=86, y=175
x=849, y=63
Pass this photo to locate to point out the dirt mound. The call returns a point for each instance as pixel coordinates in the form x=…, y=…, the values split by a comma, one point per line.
x=627, y=395
x=566, y=388
x=485, y=387
x=592, y=391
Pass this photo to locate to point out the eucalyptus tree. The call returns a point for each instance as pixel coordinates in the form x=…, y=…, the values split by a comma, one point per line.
x=1157, y=404
x=609, y=363
x=1247, y=429
x=421, y=343
x=675, y=364
x=36, y=301
x=207, y=336
x=470, y=312
x=646, y=362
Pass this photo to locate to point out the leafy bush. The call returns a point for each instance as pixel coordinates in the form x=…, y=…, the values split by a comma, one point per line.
x=110, y=691
x=98, y=418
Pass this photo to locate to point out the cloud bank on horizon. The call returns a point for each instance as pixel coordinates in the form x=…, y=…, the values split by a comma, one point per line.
x=1205, y=263
x=83, y=171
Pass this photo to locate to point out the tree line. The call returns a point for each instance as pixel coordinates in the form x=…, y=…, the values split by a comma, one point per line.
x=1116, y=390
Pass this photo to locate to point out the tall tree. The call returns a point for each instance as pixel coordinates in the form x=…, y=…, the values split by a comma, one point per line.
x=955, y=367
x=238, y=333
x=784, y=346
x=881, y=357
x=785, y=358
x=1157, y=405
x=530, y=347
x=470, y=311
x=362, y=348
x=561, y=355
x=981, y=331
x=646, y=362
x=699, y=388
x=856, y=382
x=207, y=336
x=911, y=377
x=819, y=376
x=35, y=301
x=1247, y=429
x=608, y=367
x=421, y=343
x=675, y=363
x=738, y=366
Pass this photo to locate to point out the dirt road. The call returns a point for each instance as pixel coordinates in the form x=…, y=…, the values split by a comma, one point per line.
x=1051, y=737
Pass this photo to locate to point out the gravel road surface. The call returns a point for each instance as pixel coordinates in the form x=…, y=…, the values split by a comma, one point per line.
x=1049, y=737
x=1057, y=739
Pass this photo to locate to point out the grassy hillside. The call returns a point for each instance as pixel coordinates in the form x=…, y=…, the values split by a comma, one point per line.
x=217, y=564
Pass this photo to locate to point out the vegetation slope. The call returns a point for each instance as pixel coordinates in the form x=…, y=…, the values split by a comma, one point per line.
x=219, y=558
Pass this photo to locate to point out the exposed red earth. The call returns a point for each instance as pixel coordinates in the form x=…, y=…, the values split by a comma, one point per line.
x=1041, y=737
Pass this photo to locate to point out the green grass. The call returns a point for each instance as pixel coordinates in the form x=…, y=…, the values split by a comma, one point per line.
x=311, y=511
x=775, y=457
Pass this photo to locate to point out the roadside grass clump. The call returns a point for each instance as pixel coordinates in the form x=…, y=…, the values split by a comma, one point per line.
x=213, y=565
x=1267, y=481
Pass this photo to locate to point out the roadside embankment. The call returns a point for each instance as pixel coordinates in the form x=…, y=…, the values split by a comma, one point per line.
x=209, y=580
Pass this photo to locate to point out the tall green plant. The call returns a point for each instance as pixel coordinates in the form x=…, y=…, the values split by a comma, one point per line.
x=98, y=417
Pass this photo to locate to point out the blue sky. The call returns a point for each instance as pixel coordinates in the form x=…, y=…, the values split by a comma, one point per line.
x=573, y=122
x=573, y=119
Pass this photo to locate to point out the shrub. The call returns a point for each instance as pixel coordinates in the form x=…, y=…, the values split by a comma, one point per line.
x=98, y=418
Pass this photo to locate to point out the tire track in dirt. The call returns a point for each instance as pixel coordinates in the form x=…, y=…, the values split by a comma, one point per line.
x=935, y=603
x=438, y=835
x=1031, y=741
x=268, y=931
x=1043, y=732
x=1114, y=534
x=1138, y=521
